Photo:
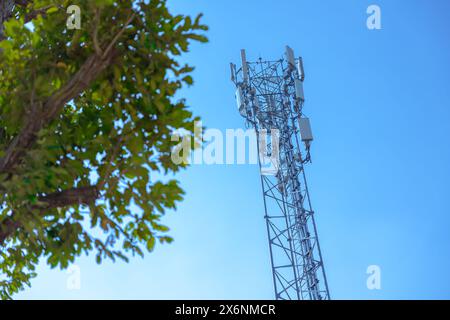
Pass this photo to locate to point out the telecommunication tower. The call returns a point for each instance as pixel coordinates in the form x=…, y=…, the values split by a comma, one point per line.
x=270, y=97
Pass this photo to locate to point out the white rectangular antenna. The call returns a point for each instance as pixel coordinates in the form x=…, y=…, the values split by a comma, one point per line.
x=290, y=57
x=301, y=71
x=305, y=129
x=299, y=94
x=240, y=101
x=233, y=72
x=244, y=65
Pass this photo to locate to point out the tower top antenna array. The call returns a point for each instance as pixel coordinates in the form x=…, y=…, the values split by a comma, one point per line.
x=270, y=97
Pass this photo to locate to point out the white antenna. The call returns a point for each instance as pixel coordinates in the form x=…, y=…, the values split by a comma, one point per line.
x=305, y=130
x=301, y=71
x=240, y=101
x=233, y=72
x=299, y=94
x=290, y=57
x=244, y=65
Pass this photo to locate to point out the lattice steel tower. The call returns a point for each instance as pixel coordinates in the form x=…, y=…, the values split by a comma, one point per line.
x=270, y=97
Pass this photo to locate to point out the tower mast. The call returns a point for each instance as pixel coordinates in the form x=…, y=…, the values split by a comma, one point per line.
x=270, y=97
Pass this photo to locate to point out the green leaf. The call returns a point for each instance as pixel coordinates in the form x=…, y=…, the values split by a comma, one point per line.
x=151, y=244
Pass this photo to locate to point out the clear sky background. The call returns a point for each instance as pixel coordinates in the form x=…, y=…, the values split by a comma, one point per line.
x=379, y=105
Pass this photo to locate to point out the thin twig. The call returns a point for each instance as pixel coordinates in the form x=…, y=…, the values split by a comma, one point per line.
x=98, y=50
x=118, y=35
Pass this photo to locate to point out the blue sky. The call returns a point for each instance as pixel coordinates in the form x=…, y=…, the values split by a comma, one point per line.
x=379, y=105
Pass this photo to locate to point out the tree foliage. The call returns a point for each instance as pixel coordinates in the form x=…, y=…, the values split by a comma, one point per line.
x=85, y=123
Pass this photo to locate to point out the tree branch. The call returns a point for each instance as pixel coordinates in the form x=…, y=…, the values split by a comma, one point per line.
x=98, y=50
x=70, y=197
x=90, y=70
x=41, y=11
x=23, y=3
x=118, y=35
x=82, y=195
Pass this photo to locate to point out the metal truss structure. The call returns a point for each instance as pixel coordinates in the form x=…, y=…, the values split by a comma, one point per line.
x=270, y=97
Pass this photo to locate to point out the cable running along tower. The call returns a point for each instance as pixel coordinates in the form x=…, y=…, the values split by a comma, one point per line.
x=270, y=97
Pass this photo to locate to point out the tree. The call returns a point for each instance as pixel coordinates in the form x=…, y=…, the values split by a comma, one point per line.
x=86, y=117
